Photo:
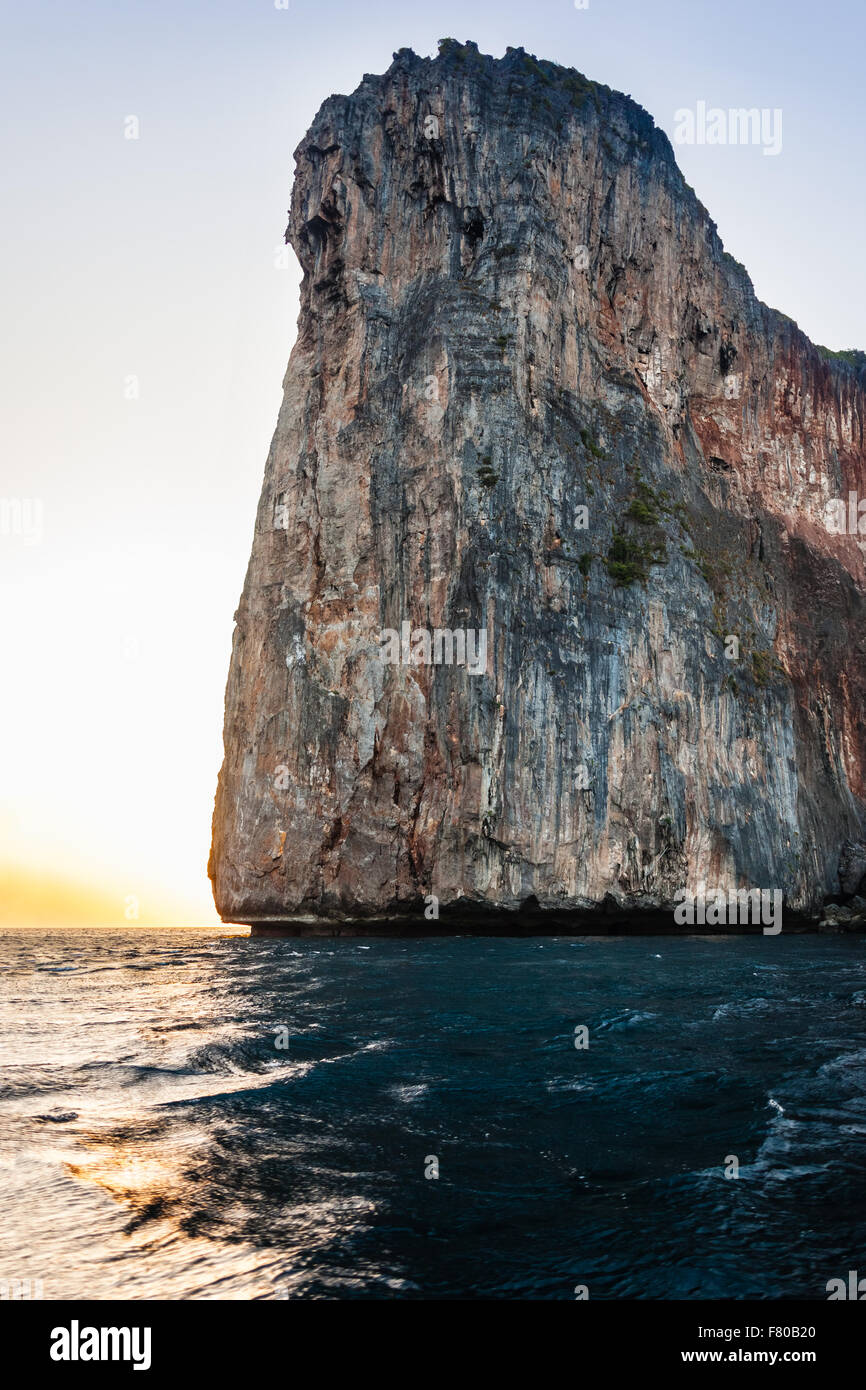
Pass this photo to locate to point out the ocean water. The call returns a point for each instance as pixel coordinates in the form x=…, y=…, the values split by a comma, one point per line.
x=155, y=1142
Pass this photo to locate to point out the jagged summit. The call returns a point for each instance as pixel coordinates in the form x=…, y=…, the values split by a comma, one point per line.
x=556, y=96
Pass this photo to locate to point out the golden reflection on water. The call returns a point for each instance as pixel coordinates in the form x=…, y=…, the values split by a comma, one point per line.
x=180, y=1218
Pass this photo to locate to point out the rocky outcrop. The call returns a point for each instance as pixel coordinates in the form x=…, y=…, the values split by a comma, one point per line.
x=532, y=397
x=850, y=917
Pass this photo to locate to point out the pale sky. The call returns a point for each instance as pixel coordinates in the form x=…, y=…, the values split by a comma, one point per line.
x=155, y=258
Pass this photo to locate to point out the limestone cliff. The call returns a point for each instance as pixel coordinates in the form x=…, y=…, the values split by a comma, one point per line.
x=531, y=395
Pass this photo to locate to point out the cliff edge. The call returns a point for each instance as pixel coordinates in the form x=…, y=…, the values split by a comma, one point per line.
x=535, y=408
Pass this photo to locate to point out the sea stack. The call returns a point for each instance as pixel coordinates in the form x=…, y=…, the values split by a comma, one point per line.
x=533, y=398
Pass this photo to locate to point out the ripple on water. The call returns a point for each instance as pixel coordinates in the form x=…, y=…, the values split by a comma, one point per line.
x=156, y=1143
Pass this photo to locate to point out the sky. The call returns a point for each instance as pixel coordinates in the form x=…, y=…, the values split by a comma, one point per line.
x=147, y=153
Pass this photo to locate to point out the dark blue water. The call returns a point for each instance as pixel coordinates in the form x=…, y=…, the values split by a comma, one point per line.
x=156, y=1143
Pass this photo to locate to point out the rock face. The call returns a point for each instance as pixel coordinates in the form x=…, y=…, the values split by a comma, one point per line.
x=532, y=397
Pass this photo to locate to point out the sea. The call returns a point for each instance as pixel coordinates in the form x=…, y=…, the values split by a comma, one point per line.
x=196, y=1114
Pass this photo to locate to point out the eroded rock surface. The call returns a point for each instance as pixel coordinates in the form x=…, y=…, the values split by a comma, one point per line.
x=514, y=308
